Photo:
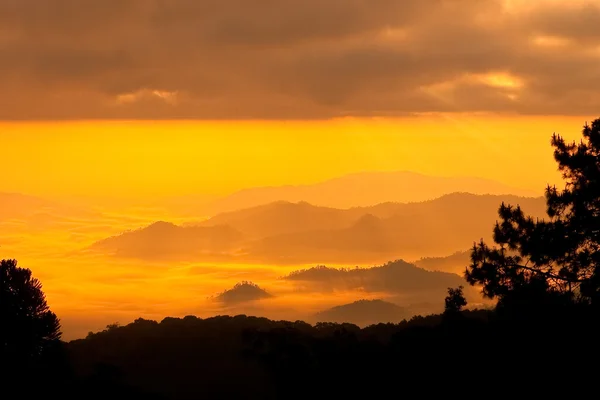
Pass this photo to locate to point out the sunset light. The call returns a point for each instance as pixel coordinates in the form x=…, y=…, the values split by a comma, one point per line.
x=235, y=199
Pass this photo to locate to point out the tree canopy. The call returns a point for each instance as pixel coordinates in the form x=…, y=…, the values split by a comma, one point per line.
x=28, y=327
x=455, y=301
x=558, y=256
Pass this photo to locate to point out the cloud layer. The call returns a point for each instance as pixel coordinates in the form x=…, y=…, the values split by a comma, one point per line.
x=301, y=59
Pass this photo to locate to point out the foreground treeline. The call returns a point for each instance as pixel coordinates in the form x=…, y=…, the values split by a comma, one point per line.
x=542, y=351
x=541, y=340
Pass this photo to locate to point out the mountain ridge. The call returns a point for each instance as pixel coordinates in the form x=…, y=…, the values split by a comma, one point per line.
x=364, y=313
x=362, y=189
x=300, y=233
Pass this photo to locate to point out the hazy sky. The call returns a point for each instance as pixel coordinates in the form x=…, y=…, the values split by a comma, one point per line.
x=466, y=87
x=178, y=158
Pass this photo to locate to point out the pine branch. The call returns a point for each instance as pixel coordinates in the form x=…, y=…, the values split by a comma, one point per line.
x=547, y=274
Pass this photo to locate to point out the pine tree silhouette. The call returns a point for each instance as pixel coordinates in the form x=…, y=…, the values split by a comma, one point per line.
x=557, y=258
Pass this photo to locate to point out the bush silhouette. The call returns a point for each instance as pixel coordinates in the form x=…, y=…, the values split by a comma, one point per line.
x=455, y=301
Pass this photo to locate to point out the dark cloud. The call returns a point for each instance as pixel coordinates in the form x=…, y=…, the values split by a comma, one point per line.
x=231, y=59
x=578, y=23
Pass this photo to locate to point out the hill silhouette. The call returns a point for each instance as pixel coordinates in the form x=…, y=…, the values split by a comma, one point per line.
x=454, y=263
x=15, y=205
x=433, y=228
x=363, y=189
x=166, y=240
x=300, y=233
x=364, y=313
x=242, y=292
x=282, y=217
x=403, y=280
x=38, y=212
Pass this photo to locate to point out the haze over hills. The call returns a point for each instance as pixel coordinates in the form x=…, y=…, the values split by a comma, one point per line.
x=282, y=217
x=358, y=190
x=14, y=205
x=300, y=233
x=198, y=259
x=364, y=313
x=399, y=278
x=166, y=240
x=375, y=234
x=455, y=262
x=36, y=210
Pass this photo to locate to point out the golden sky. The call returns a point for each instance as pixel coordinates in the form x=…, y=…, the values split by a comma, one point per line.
x=465, y=87
x=178, y=158
x=142, y=99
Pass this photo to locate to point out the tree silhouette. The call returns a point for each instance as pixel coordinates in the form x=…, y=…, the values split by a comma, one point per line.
x=554, y=258
x=27, y=326
x=455, y=300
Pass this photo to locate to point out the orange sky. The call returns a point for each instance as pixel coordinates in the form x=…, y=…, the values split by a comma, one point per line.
x=486, y=82
x=468, y=68
x=176, y=158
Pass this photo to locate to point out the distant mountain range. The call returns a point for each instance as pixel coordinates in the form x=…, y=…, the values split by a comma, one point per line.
x=364, y=313
x=354, y=190
x=162, y=240
x=300, y=233
x=397, y=278
x=26, y=214
x=34, y=209
x=455, y=263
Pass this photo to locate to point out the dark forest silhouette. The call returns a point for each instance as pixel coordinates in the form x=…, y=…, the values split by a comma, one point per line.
x=540, y=340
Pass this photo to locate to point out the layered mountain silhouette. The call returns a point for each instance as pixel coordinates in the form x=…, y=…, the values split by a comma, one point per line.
x=299, y=233
x=395, y=278
x=282, y=217
x=364, y=313
x=455, y=262
x=387, y=231
x=241, y=293
x=166, y=240
x=36, y=211
x=16, y=204
x=361, y=190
